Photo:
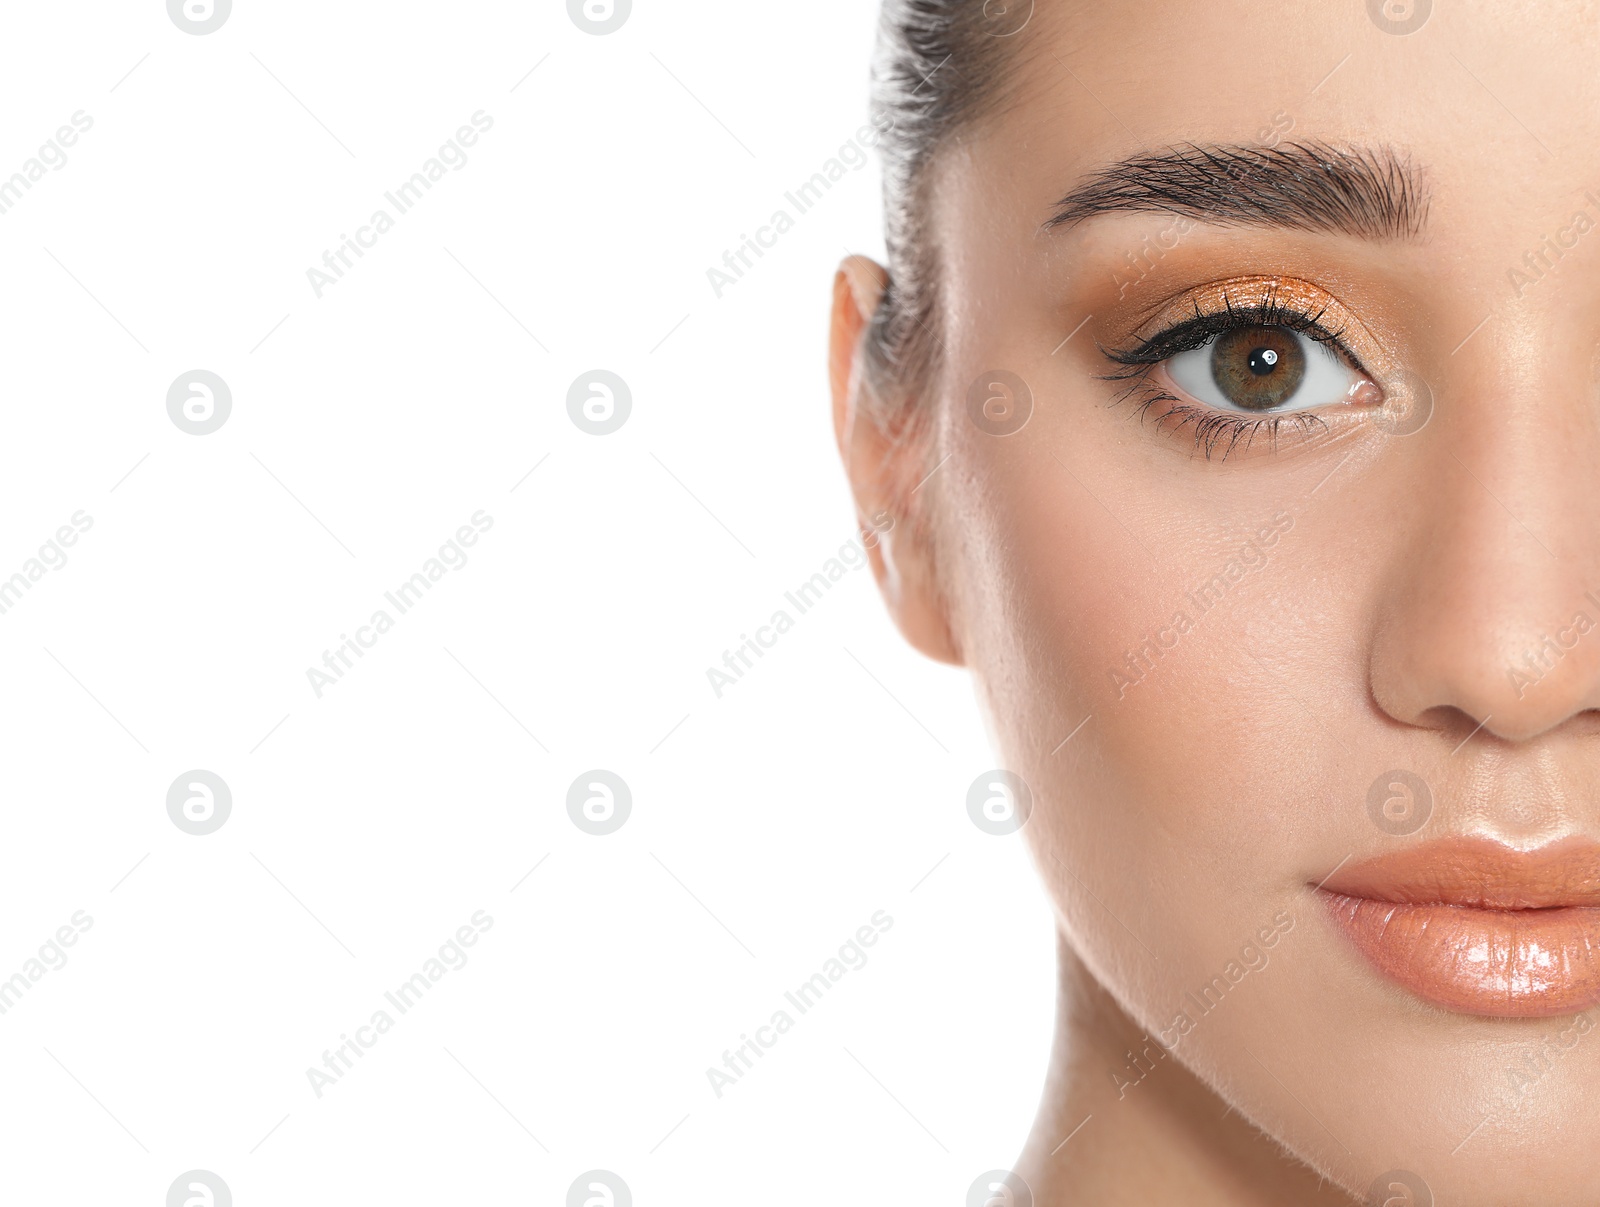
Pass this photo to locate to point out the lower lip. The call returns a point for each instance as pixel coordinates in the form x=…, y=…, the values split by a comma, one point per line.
x=1516, y=963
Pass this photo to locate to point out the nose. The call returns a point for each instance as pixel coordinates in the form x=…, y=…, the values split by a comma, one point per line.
x=1491, y=617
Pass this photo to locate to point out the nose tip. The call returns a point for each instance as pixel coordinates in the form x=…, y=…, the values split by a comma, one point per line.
x=1469, y=671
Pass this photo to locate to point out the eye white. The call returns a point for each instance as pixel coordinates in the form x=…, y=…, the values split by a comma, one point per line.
x=1329, y=379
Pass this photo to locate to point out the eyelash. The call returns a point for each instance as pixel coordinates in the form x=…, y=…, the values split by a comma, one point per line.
x=1214, y=428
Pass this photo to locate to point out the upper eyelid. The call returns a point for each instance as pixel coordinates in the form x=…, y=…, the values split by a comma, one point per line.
x=1194, y=331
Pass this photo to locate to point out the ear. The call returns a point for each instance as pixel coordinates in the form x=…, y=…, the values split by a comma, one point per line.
x=885, y=469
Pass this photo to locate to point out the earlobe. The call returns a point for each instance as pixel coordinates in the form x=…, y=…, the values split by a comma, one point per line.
x=885, y=469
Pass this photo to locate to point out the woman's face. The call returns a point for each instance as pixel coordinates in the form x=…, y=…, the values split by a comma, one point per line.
x=1313, y=585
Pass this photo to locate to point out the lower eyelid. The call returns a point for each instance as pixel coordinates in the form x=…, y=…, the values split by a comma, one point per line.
x=1215, y=433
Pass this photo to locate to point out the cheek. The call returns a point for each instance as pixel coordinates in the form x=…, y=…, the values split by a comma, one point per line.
x=1164, y=825
x=1199, y=801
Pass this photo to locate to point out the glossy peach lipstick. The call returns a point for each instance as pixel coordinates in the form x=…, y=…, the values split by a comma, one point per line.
x=1479, y=927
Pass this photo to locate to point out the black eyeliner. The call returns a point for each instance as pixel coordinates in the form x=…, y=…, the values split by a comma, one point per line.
x=1195, y=332
x=1213, y=428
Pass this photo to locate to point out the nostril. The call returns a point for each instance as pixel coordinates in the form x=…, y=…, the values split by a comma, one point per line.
x=1456, y=725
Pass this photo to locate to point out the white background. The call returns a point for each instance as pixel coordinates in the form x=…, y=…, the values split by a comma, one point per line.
x=370, y=823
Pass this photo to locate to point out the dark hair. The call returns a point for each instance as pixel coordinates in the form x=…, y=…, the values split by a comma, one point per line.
x=939, y=66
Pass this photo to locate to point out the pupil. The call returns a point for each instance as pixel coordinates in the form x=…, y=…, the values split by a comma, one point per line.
x=1262, y=361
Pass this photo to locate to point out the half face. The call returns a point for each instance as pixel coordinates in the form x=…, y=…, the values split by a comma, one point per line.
x=1271, y=534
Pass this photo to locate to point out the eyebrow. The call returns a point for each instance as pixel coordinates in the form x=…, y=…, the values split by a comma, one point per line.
x=1364, y=192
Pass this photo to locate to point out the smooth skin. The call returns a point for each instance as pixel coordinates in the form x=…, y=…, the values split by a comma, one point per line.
x=1203, y=803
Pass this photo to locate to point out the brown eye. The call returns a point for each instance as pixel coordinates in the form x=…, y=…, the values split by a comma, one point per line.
x=1268, y=369
x=1258, y=368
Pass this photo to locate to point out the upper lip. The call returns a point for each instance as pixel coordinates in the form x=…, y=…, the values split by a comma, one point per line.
x=1477, y=872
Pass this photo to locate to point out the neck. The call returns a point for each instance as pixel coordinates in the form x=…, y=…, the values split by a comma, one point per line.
x=1143, y=1128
